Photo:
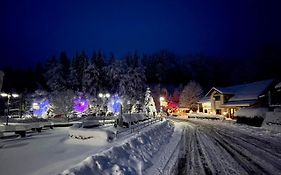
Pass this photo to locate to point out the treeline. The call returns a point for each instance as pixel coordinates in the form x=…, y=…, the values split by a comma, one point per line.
x=131, y=74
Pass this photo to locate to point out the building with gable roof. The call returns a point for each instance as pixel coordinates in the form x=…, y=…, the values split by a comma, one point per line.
x=227, y=100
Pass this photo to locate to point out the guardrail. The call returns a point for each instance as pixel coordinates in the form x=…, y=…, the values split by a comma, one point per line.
x=138, y=126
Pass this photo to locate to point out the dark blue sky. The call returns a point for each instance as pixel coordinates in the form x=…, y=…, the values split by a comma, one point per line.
x=34, y=30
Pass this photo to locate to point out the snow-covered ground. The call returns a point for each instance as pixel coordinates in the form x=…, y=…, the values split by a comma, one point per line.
x=54, y=152
x=205, y=147
x=223, y=147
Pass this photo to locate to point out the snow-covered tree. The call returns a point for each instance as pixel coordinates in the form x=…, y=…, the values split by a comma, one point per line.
x=91, y=79
x=190, y=95
x=54, y=75
x=113, y=73
x=149, y=104
x=62, y=102
x=72, y=79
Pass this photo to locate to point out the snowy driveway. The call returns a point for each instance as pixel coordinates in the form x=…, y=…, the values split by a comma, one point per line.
x=216, y=148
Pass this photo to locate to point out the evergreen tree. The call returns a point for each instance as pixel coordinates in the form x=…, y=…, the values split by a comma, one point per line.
x=113, y=73
x=54, y=75
x=80, y=63
x=149, y=104
x=98, y=60
x=64, y=61
x=72, y=79
x=91, y=79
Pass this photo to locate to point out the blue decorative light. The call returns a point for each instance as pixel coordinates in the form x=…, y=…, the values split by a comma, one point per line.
x=114, y=104
x=40, y=107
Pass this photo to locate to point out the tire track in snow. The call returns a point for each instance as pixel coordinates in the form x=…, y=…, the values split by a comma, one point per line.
x=211, y=150
x=263, y=157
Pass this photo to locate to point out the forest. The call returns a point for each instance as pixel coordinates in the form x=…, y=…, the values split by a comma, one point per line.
x=134, y=72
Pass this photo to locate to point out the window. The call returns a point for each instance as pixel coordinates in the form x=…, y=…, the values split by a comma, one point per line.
x=218, y=111
x=217, y=98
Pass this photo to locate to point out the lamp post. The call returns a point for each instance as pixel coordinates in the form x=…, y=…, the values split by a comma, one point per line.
x=161, y=99
x=104, y=97
x=129, y=109
x=3, y=94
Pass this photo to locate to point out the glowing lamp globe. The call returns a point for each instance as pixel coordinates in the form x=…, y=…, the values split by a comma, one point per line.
x=81, y=105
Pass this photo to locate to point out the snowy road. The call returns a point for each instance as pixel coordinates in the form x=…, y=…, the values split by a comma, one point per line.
x=215, y=148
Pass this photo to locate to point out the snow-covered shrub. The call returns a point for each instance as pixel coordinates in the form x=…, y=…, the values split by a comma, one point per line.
x=251, y=112
x=251, y=116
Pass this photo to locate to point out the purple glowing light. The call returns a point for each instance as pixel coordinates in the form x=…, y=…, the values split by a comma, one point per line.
x=81, y=104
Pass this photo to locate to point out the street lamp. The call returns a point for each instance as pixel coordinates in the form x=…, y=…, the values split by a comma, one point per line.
x=162, y=100
x=104, y=97
x=3, y=94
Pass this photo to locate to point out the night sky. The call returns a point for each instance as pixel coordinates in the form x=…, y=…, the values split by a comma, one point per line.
x=34, y=30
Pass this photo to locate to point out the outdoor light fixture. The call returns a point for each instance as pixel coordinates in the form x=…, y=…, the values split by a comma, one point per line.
x=81, y=105
x=107, y=95
x=100, y=95
x=35, y=105
x=15, y=95
x=3, y=94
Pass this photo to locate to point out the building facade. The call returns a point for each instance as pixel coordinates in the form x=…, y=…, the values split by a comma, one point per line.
x=227, y=100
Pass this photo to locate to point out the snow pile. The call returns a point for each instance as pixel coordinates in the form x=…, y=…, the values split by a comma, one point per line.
x=251, y=112
x=131, y=157
x=205, y=116
x=272, y=121
x=133, y=117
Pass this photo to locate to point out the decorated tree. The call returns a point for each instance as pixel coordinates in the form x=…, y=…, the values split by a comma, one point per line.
x=190, y=95
x=149, y=104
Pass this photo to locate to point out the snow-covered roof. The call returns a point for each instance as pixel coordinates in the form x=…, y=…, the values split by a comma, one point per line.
x=278, y=86
x=250, y=91
x=245, y=103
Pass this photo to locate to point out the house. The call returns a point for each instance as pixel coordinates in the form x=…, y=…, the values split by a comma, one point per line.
x=227, y=100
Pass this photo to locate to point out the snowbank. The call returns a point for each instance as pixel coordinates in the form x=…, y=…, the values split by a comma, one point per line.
x=272, y=121
x=133, y=156
x=251, y=112
x=133, y=117
x=205, y=116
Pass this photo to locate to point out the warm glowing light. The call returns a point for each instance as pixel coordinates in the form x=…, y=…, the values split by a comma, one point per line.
x=107, y=95
x=81, y=104
x=35, y=105
x=4, y=95
x=15, y=95
x=162, y=98
x=100, y=95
